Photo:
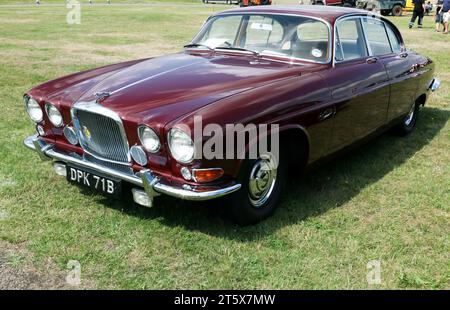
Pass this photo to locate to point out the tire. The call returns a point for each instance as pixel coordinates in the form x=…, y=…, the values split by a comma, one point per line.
x=385, y=12
x=244, y=207
x=347, y=5
x=397, y=10
x=408, y=123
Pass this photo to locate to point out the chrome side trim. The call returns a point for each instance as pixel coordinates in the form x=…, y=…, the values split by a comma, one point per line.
x=152, y=185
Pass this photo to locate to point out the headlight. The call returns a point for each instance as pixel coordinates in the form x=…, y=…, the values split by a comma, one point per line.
x=181, y=146
x=33, y=109
x=149, y=139
x=54, y=115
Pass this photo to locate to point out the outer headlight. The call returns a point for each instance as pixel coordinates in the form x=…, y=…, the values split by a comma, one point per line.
x=149, y=139
x=181, y=146
x=33, y=109
x=54, y=115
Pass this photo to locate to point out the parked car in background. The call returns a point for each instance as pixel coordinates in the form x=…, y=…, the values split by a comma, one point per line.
x=346, y=3
x=385, y=7
x=327, y=77
x=244, y=3
x=220, y=1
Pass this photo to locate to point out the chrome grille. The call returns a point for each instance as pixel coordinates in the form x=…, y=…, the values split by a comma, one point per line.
x=101, y=136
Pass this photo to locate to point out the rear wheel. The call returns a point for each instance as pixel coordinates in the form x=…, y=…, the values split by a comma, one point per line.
x=397, y=10
x=262, y=181
x=385, y=12
x=409, y=121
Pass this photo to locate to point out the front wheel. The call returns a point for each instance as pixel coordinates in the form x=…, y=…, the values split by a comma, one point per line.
x=262, y=181
x=409, y=121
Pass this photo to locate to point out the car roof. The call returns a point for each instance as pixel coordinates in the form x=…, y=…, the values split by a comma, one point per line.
x=329, y=13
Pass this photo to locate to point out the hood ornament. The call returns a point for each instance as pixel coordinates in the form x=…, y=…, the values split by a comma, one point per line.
x=101, y=96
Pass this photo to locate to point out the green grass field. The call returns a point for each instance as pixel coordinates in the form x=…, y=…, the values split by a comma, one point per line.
x=387, y=201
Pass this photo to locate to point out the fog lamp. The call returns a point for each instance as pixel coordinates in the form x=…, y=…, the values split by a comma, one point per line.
x=141, y=198
x=60, y=169
x=186, y=173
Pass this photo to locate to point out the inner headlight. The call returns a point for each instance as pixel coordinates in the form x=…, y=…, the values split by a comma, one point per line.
x=149, y=139
x=33, y=110
x=181, y=146
x=53, y=114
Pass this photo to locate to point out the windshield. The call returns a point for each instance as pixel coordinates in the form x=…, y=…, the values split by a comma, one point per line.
x=279, y=35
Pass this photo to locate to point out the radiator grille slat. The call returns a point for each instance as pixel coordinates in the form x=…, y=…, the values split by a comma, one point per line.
x=102, y=136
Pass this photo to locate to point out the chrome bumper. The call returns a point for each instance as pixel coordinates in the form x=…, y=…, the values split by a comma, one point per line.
x=434, y=85
x=153, y=185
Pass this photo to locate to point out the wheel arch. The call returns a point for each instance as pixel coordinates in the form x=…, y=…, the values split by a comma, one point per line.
x=296, y=140
x=421, y=99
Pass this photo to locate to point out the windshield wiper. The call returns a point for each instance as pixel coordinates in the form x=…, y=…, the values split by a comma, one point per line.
x=198, y=45
x=238, y=49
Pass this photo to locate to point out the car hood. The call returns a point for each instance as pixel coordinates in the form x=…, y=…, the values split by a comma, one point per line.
x=162, y=89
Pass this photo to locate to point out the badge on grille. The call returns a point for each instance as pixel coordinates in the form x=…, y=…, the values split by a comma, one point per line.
x=87, y=133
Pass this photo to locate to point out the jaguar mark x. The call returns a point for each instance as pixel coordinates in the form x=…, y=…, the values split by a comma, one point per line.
x=327, y=77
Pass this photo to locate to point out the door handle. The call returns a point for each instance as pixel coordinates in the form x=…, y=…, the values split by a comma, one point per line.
x=327, y=113
x=372, y=60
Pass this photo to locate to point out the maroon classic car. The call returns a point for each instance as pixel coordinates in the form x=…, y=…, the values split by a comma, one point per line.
x=326, y=77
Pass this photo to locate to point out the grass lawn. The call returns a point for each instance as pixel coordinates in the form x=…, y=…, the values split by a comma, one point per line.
x=387, y=201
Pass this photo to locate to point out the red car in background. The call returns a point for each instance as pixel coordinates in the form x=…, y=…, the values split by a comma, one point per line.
x=254, y=2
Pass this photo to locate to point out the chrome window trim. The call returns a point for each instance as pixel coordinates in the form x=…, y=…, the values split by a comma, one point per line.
x=330, y=34
x=373, y=16
x=383, y=24
x=340, y=19
x=94, y=107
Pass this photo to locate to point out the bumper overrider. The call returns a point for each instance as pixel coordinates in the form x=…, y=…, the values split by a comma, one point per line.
x=152, y=185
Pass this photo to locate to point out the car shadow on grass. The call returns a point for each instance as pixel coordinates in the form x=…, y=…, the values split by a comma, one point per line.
x=329, y=186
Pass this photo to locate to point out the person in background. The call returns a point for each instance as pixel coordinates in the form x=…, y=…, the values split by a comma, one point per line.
x=38, y=2
x=419, y=9
x=428, y=8
x=446, y=15
x=438, y=14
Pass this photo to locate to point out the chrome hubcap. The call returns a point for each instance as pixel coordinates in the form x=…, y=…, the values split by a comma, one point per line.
x=262, y=181
x=410, y=115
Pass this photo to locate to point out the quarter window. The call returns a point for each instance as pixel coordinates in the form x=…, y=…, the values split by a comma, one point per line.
x=376, y=37
x=395, y=43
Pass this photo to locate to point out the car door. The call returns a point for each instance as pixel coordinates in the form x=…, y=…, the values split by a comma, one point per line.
x=359, y=85
x=401, y=69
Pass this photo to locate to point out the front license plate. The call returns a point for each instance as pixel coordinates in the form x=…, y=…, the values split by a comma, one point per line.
x=95, y=181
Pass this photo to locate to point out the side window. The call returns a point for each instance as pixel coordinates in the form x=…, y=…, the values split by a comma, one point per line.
x=350, y=42
x=376, y=36
x=395, y=42
x=312, y=41
x=263, y=31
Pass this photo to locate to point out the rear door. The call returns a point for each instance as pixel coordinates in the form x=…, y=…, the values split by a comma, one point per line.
x=359, y=85
x=401, y=69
